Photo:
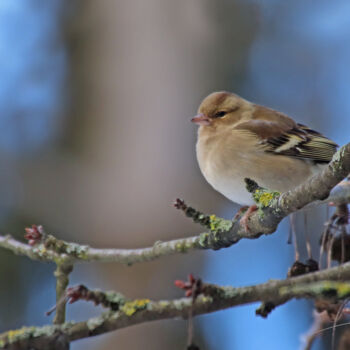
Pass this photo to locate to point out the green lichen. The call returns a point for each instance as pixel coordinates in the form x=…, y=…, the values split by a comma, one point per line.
x=44, y=331
x=77, y=250
x=339, y=289
x=115, y=298
x=41, y=251
x=206, y=299
x=219, y=225
x=13, y=336
x=180, y=247
x=95, y=322
x=18, y=334
x=61, y=247
x=328, y=289
x=60, y=259
x=336, y=160
x=157, y=243
x=265, y=198
x=25, y=333
x=130, y=307
x=163, y=303
x=203, y=239
x=183, y=247
x=343, y=290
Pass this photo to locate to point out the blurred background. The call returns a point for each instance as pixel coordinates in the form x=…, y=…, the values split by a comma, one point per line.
x=95, y=102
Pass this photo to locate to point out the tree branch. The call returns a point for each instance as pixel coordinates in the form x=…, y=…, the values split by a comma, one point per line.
x=223, y=233
x=322, y=284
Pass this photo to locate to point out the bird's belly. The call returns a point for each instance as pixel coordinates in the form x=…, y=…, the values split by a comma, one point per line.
x=233, y=189
x=227, y=176
x=232, y=186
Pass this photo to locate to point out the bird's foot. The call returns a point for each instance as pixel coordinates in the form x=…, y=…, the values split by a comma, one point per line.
x=246, y=216
x=240, y=211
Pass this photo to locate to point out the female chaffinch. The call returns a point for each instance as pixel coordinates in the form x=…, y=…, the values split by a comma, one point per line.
x=238, y=139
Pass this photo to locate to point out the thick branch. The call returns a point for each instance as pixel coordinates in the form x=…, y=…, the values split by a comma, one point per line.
x=319, y=186
x=223, y=233
x=340, y=194
x=314, y=285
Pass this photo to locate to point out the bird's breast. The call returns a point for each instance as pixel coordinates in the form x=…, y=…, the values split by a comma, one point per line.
x=219, y=164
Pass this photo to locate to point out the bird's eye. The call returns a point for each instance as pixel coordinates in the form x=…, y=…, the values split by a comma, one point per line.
x=220, y=114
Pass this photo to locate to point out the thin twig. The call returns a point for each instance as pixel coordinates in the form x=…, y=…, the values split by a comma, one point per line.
x=307, y=237
x=336, y=319
x=319, y=320
x=62, y=280
x=292, y=218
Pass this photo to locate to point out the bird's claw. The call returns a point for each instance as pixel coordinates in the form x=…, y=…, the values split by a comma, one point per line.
x=245, y=218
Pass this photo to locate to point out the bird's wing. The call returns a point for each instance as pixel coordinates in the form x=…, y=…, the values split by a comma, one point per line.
x=279, y=134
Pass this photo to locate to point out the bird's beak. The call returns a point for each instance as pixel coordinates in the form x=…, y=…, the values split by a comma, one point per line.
x=201, y=119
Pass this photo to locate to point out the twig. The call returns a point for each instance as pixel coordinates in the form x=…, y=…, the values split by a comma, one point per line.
x=336, y=319
x=223, y=233
x=320, y=319
x=62, y=280
x=193, y=287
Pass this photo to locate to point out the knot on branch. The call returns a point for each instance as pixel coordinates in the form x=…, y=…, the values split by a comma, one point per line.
x=265, y=309
x=111, y=300
x=298, y=268
x=61, y=247
x=43, y=243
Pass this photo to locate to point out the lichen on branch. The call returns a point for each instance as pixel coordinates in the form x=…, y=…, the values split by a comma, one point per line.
x=323, y=285
x=221, y=233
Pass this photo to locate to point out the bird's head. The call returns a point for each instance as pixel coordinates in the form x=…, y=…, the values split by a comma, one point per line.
x=221, y=109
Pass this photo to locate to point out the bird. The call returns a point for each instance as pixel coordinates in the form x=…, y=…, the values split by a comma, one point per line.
x=238, y=139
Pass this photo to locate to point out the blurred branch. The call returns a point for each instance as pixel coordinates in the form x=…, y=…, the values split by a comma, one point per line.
x=320, y=319
x=62, y=280
x=315, y=285
x=340, y=194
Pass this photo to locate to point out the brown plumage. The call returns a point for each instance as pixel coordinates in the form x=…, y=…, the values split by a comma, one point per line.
x=239, y=139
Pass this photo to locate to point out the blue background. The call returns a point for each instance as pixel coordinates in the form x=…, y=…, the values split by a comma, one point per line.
x=95, y=99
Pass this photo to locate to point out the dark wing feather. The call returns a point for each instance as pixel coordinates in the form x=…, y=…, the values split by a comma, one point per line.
x=303, y=142
x=290, y=139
